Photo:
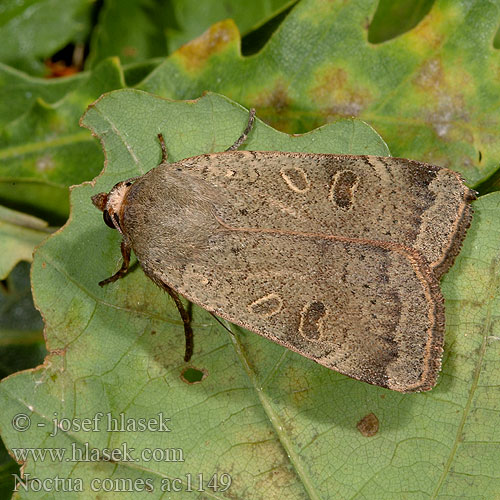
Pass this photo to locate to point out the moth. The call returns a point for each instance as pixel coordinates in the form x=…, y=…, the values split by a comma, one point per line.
x=336, y=257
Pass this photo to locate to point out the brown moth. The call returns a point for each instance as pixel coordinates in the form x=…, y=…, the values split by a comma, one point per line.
x=336, y=257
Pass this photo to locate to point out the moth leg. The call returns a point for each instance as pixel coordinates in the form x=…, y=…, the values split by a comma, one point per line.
x=164, y=152
x=124, y=269
x=244, y=135
x=188, y=331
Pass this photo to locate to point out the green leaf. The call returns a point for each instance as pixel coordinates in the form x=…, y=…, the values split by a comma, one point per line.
x=34, y=29
x=280, y=425
x=8, y=467
x=432, y=93
x=21, y=341
x=192, y=17
x=21, y=346
x=136, y=72
x=44, y=151
x=20, y=91
x=395, y=18
x=138, y=30
x=19, y=235
x=130, y=29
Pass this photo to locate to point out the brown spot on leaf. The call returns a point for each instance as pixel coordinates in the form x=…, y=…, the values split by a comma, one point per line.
x=443, y=95
x=195, y=54
x=430, y=75
x=428, y=34
x=335, y=93
x=368, y=426
x=129, y=51
x=273, y=105
x=278, y=98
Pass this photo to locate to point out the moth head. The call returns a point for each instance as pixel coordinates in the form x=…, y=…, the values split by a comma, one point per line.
x=111, y=204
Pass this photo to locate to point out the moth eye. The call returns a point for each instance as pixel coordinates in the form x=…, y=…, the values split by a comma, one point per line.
x=107, y=219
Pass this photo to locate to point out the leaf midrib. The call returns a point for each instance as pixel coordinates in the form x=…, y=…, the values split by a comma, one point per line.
x=275, y=421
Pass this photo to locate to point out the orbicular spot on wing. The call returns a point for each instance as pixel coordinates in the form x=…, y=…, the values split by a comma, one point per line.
x=312, y=318
x=266, y=306
x=342, y=189
x=296, y=179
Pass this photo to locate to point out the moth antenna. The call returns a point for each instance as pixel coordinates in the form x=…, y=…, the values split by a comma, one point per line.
x=244, y=135
x=164, y=152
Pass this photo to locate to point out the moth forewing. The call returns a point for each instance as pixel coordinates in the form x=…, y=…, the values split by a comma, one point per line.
x=336, y=257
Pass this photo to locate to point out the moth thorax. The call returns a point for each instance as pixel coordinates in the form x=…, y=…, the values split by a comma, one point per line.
x=116, y=198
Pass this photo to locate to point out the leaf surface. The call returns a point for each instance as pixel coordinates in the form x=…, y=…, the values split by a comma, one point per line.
x=129, y=29
x=192, y=17
x=34, y=29
x=432, y=93
x=19, y=235
x=21, y=346
x=44, y=151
